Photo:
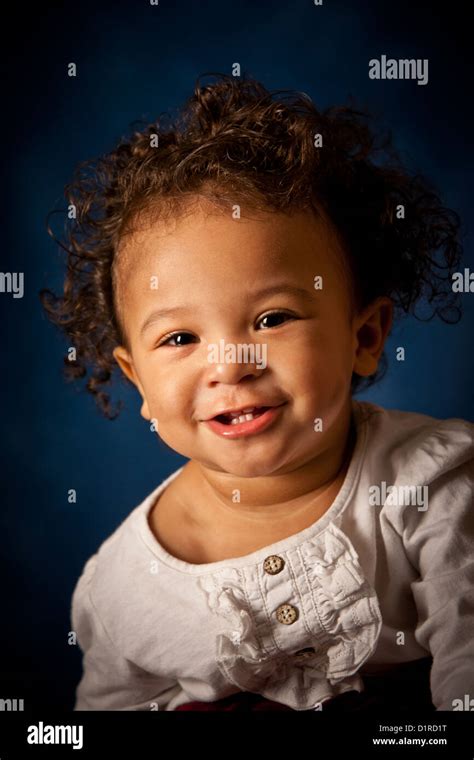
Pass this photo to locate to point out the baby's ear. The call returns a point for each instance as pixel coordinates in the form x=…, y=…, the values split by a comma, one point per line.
x=125, y=362
x=371, y=328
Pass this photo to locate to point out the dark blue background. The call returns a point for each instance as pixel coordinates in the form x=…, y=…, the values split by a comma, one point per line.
x=135, y=61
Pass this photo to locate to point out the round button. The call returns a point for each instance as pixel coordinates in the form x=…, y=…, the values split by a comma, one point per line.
x=286, y=614
x=273, y=564
x=305, y=654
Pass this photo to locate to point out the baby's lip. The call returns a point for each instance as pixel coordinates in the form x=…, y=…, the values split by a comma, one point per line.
x=236, y=409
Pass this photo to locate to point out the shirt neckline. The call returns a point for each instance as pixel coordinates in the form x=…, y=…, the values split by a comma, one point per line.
x=337, y=507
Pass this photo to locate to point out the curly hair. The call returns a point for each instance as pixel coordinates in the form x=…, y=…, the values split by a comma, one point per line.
x=235, y=139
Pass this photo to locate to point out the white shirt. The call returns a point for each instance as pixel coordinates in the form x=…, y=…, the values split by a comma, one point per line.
x=365, y=586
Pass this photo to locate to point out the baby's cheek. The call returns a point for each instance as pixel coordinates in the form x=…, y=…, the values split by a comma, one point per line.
x=172, y=426
x=170, y=403
x=322, y=389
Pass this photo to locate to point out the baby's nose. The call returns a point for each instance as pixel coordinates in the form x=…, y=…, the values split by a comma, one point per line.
x=230, y=362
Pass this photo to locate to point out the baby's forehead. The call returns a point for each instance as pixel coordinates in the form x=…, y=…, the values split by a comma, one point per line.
x=269, y=232
x=213, y=252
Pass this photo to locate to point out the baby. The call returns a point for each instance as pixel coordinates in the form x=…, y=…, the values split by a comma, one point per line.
x=243, y=267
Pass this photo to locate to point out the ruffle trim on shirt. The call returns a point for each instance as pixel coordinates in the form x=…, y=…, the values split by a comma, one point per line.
x=347, y=604
x=349, y=624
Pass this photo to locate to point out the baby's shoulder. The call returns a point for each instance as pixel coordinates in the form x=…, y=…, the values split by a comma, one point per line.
x=415, y=446
x=419, y=470
x=121, y=568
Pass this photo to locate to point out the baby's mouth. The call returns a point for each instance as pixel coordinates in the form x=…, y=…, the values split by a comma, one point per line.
x=245, y=415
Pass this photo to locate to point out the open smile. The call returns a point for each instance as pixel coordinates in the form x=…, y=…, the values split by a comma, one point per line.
x=245, y=424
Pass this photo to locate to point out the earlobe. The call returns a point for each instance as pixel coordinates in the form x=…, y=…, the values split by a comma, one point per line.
x=372, y=328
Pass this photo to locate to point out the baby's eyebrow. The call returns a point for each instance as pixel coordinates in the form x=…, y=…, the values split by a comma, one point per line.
x=282, y=288
x=158, y=314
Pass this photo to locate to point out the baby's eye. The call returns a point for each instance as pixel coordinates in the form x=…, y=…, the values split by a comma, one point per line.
x=276, y=317
x=175, y=336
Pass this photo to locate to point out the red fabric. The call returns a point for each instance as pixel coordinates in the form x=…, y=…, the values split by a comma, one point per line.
x=242, y=701
x=249, y=702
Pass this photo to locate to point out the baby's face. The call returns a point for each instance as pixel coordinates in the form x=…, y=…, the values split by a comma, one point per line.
x=211, y=272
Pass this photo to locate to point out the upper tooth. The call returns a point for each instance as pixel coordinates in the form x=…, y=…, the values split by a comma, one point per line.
x=242, y=411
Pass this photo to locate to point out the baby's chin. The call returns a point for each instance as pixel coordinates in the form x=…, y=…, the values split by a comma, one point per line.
x=250, y=466
x=260, y=456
